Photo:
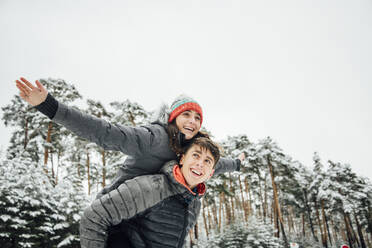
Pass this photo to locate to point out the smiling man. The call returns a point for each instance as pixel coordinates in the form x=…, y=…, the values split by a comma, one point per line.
x=158, y=210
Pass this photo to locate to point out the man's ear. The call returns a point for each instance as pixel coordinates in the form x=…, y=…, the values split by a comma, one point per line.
x=182, y=158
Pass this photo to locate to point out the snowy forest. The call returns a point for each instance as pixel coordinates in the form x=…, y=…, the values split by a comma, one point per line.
x=48, y=175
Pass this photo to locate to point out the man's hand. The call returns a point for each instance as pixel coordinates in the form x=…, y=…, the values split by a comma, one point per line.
x=31, y=94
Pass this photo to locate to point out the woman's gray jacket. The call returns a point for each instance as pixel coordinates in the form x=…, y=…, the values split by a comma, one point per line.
x=147, y=147
x=154, y=211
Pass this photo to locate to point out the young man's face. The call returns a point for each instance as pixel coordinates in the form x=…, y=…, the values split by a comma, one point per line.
x=197, y=165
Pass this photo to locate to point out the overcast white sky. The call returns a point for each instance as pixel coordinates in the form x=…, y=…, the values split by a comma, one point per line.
x=298, y=71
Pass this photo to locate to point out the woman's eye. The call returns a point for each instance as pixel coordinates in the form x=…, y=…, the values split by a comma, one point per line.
x=197, y=118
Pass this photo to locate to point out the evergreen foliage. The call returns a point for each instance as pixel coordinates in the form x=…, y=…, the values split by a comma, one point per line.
x=255, y=235
x=45, y=184
x=33, y=212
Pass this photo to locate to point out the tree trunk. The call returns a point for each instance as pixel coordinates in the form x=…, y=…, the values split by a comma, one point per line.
x=58, y=158
x=344, y=233
x=104, y=168
x=276, y=221
x=367, y=240
x=191, y=241
x=88, y=172
x=48, y=139
x=360, y=233
x=265, y=201
x=293, y=220
x=205, y=218
x=243, y=200
x=225, y=200
x=303, y=225
x=249, y=206
x=232, y=199
x=196, y=231
x=325, y=242
x=273, y=215
x=348, y=232
x=209, y=215
x=309, y=215
x=319, y=222
x=369, y=219
x=214, y=210
x=289, y=224
x=261, y=199
x=220, y=213
x=26, y=133
x=276, y=200
x=335, y=237
x=131, y=119
x=78, y=166
x=52, y=163
x=352, y=230
x=328, y=231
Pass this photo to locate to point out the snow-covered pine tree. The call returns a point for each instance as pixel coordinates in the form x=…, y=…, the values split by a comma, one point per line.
x=72, y=200
x=125, y=113
x=28, y=212
x=33, y=212
x=97, y=109
x=237, y=208
x=129, y=113
x=256, y=235
x=51, y=133
x=34, y=131
x=314, y=189
x=272, y=158
x=26, y=123
x=344, y=193
x=305, y=177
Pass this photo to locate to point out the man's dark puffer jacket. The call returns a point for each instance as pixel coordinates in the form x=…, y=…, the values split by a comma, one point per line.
x=158, y=211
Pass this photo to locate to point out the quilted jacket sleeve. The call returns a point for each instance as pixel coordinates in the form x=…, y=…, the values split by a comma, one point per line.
x=130, y=198
x=129, y=140
x=227, y=165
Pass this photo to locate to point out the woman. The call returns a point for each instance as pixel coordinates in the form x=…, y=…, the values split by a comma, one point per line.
x=148, y=147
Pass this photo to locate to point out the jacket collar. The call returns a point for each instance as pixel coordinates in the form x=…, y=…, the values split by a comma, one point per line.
x=173, y=172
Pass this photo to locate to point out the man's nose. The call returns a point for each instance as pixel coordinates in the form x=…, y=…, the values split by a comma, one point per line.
x=199, y=163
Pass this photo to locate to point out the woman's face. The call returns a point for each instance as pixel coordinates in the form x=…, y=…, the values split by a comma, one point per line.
x=188, y=122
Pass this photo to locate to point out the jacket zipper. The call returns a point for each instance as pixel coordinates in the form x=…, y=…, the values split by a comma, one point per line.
x=184, y=227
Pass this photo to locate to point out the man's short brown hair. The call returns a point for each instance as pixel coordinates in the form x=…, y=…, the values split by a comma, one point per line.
x=207, y=144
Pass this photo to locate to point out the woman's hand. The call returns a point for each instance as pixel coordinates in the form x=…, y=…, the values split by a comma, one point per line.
x=31, y=94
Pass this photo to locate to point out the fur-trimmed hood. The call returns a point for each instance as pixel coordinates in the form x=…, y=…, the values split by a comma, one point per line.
x=161, y=115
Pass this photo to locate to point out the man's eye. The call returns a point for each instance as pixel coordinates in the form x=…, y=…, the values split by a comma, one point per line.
x=196, y=155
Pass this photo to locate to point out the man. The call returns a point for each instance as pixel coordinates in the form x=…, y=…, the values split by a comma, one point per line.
x=158, y=210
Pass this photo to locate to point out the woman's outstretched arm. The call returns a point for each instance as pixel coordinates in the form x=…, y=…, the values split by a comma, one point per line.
x=130, y=140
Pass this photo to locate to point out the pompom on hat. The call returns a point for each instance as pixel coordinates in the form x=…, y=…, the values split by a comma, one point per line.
x=183, y=103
